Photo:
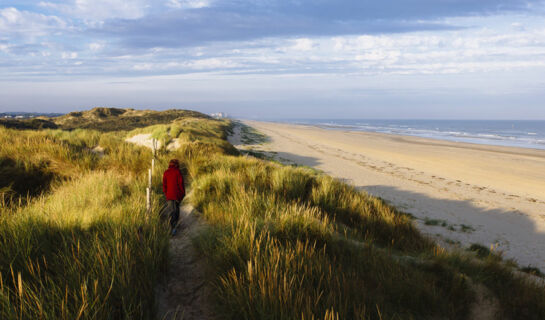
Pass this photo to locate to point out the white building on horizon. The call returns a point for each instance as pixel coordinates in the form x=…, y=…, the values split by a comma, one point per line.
x=219, y=115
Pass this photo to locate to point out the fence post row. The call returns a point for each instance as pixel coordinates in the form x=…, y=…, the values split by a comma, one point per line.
x=150, y=175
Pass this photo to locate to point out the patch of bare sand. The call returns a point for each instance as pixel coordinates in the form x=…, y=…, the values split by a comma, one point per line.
x=98, y=150
x=185, y=295
x=146, y=140
x=460, y=193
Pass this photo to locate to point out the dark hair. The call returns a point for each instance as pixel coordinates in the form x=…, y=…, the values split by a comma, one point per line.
x=174, y=162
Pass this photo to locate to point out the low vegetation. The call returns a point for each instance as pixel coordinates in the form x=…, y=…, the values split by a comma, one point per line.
x=86, y=250
x=281, y=242
x=287, y=242
x=75, y=239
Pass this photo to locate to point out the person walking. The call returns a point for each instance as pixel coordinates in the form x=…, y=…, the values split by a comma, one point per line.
x=173, y=188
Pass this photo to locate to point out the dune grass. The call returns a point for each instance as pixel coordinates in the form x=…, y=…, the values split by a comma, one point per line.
x=282, y=242
x=288, y=243
x=84, y=251
x=33, y=160
x=79, y=245
x=291, y=243
x=112, y=119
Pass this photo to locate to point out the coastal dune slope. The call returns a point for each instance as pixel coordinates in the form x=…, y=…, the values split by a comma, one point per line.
x=460, y=193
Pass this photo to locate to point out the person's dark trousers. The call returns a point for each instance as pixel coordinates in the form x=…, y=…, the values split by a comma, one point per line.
x=172, y=211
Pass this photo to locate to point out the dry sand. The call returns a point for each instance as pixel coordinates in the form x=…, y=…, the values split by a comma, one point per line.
x=185, y=295
x=146, y=140
x=494, y=196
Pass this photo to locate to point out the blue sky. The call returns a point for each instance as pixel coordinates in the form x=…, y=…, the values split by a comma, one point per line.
x=448, y=59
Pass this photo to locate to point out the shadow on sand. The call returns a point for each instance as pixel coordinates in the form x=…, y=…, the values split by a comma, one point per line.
x=512, y=232
x=295, y=159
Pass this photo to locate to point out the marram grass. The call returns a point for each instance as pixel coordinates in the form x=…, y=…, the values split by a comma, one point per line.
x=281, y=242
x=85, y=251
x=79, y=245
x=290, y=243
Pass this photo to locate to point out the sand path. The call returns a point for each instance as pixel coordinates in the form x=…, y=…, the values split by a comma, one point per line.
x=185, y=294
x=460, y=193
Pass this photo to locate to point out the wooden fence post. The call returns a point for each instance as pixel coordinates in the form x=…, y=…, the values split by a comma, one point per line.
x=148, y=200
x=154, y=146
x=149, y=191
x=150, y=176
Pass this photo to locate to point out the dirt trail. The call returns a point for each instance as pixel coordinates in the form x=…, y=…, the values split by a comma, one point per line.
x=185, y=295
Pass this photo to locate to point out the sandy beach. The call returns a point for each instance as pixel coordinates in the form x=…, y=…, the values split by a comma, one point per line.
x=459, y=193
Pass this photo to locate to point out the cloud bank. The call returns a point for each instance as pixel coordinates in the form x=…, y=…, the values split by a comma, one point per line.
x=84, y=40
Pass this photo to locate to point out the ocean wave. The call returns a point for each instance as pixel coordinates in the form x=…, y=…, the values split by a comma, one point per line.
x=518, y=134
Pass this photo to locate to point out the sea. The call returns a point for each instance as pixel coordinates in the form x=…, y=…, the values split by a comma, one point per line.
x=511, y=133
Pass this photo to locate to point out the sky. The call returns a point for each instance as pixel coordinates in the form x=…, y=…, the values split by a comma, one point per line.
x=277, y=59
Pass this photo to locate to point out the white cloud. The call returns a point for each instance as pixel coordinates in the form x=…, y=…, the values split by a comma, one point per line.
x=107, y=9
x=494, y=46
x=206, y=64
x=142, y=67
x=100, y=10
x=28, y=24
x=69, y=55
x=483, y=50
x=187, y=4
x=96, y=46
x=303, y=45
x=212, y=63
x=517, y=26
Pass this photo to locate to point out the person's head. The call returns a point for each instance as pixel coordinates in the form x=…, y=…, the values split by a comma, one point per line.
x=174, y=163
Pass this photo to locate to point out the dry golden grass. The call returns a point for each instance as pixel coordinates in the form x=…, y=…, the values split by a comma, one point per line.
x=282, y=242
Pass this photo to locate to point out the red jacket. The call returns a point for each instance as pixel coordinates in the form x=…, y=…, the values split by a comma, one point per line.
x=173, y=184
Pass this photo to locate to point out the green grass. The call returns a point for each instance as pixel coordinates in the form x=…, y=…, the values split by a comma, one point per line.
x=110, y=119
x=435, y=222
x=281, y=242
x=84, y=251
x=26, y=124
x=79, y=245
x=286, y=243
x=291, y=243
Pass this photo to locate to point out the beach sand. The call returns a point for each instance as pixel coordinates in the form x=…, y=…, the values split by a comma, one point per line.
x=460, y=193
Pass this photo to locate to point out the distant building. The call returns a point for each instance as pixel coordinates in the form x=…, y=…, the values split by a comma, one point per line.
x=219, y=115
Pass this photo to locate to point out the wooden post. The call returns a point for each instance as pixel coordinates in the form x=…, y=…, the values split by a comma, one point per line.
x=150, y=176
x=154, y=146
x=148, y=192
x=148, y=200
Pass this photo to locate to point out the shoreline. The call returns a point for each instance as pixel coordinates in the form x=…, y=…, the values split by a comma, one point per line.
x=471, y=140
x=460, y=193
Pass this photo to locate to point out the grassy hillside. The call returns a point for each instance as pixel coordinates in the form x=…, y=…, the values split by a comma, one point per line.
x=103, y=119
x=282, y=242
x=290, y=243
x=110, y=119
x=75, y=241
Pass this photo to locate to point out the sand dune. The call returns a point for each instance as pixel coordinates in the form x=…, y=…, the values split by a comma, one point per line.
x=460, y=193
